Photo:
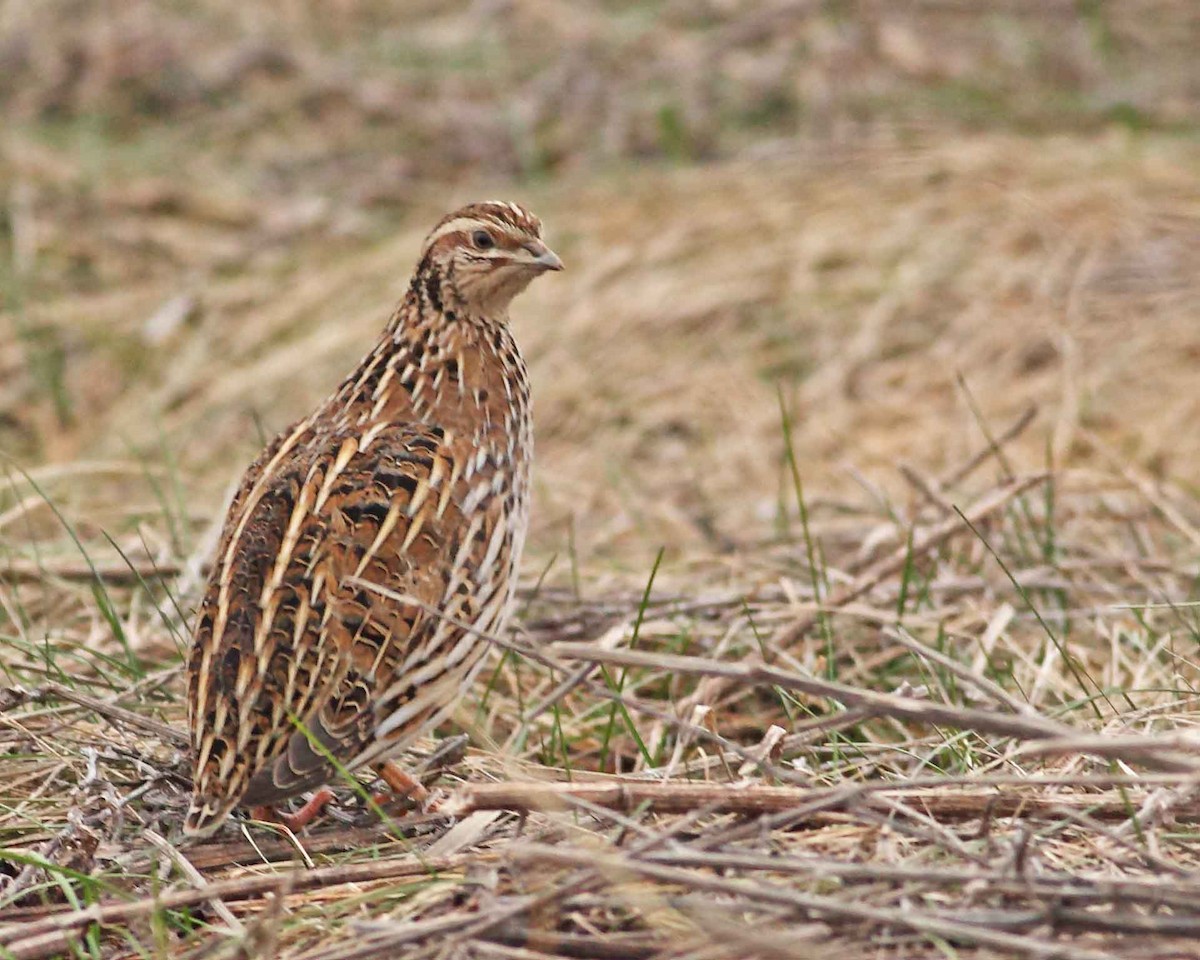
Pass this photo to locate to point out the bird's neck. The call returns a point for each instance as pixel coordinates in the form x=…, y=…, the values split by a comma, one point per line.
x=438, y=362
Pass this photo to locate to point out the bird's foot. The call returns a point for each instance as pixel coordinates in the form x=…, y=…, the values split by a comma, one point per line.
x=402, y=786
x=301, y=818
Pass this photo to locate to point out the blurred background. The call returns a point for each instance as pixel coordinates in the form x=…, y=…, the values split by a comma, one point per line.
x=899, y=222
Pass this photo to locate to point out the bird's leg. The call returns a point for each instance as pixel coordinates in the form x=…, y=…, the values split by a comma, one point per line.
x=302, y=817
x=400, y=784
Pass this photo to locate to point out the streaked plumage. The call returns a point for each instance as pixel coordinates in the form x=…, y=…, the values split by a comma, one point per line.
x=411, y=481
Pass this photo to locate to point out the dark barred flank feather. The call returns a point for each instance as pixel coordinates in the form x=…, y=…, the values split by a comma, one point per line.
x=372, y=542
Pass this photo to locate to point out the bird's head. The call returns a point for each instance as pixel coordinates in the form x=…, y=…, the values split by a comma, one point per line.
x=484, y=255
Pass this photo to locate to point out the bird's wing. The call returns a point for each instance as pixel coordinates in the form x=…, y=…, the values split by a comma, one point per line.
x=283, y=444
x=294, y=656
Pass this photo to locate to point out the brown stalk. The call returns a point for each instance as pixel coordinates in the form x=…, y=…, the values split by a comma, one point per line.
x=17, y=570
x=757, y=799
x=1156, y=752
x=118, y=715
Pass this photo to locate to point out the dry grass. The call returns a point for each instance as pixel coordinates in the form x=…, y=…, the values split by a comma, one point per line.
x=914, y=674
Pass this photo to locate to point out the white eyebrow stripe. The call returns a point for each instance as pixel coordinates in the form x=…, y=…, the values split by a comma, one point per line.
x=453, y=226
x=465, y=224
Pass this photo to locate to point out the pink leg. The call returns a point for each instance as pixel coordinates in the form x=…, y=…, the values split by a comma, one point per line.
x=400, y=785
x=302, y=817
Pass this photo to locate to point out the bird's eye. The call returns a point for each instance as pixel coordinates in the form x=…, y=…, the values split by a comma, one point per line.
x=483, y=240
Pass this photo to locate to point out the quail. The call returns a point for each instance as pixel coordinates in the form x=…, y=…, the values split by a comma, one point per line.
x=373, y=545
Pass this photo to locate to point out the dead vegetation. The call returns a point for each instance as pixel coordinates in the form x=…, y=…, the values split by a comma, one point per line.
x=899, y=380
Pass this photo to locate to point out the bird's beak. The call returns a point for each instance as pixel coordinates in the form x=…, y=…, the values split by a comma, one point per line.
x=543, y=257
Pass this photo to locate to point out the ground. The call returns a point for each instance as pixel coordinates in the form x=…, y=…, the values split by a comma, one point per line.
x=866, y=521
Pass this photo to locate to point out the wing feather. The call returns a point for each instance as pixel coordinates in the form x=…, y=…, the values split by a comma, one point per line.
x=290, y=655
